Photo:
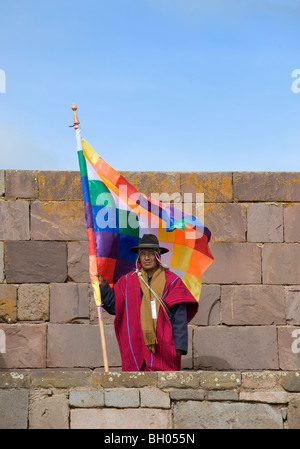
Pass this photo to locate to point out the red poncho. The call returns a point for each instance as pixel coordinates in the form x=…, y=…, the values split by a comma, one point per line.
x=134, y=352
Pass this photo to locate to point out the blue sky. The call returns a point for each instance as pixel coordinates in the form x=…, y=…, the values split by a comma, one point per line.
x=171, y=85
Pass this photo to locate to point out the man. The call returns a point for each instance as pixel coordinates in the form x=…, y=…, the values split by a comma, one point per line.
x=152, y=307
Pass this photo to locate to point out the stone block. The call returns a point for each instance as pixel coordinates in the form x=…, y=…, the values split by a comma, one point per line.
x=293, y=306
x=33, y=262
x=226, y=221
x=294, y=412
x=261, y=380
x=110, y=418
x=78, y=261
x=235, y=348
x=291, y=222
x=25, y=346
x=209, y=306
x=60, y=378
x=234, y=263
x=58, y=220
x=178, y=379
x=266, y=186
x=187, y=359
x=281, y=263
x=2, y=182
x=291, y=381
x=221, y=415
x=13, y=409
x=59, y=185
x=154, y=182
x=86, y=398
x=79, y=345
x=252, y=304
x=187, y=394
x=289, y=347
x=154, y=398
x=69, y=302
x=14, y=379
x=124, y=379
x=222, y=395
x=122, y=397
x=264, y=223
x=33, y=302
x=1, y=262
x=48, y=410
x=21, y=184
x=14, y=220
x=269, y=397
x=8, y=303
x=216, y=186
x=212, y=380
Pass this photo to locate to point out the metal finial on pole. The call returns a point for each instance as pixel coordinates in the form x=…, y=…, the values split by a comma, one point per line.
x=76, y=121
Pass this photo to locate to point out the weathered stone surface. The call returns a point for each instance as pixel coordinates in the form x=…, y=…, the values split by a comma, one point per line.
x=59, y=185
x=154, y=398
x=294, y=412
x=269, y=397
x=58, y=220
x=61, y=378
x=79, y=345
x=33, y=302
x=122, y=397
x=14, y=220
x=69, y=302
x=209, y=306
x=176, y=379
x=235, y=348
x=205, y=415
x=25, y=346
x=110, y=418
x=1, y=261
x=293, y=305
x=291, y=381
x=264, y=223
x=266, y=186
x=154, y=182
x=86, y=398
x=13, y=409
x=8, y=303
x=281, y=263
x=48, y=410
x=289, y=347
x=216, y=186
x=219, y=381
x=78, y=261
x=291, y=222
x=226, y=221
x=2, y=183
x=222, y=395
x=178, y=394
x=21, y=184
x=261, y=380
x=234, y=263
x=14, y=379
x=253, y=304
x=35, y=262
x=124, y=379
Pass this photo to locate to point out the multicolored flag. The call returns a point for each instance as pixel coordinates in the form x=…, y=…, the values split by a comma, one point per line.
x=118, y=215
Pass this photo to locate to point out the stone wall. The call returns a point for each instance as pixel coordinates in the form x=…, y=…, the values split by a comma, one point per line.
x=247, y=327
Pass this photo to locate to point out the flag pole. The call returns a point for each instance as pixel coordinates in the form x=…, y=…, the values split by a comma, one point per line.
x=94, y=278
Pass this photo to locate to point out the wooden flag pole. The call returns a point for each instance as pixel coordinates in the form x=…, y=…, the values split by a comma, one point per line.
x=94, y=278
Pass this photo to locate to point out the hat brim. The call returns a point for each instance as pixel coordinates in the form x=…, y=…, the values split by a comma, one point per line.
x=135, y=249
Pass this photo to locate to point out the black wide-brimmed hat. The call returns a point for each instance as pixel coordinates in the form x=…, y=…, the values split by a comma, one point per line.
x=149, y=241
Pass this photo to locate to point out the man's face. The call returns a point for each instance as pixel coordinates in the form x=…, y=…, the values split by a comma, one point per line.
x=148, y=259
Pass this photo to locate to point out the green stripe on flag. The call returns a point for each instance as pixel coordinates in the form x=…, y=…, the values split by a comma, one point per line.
x=82, y=163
